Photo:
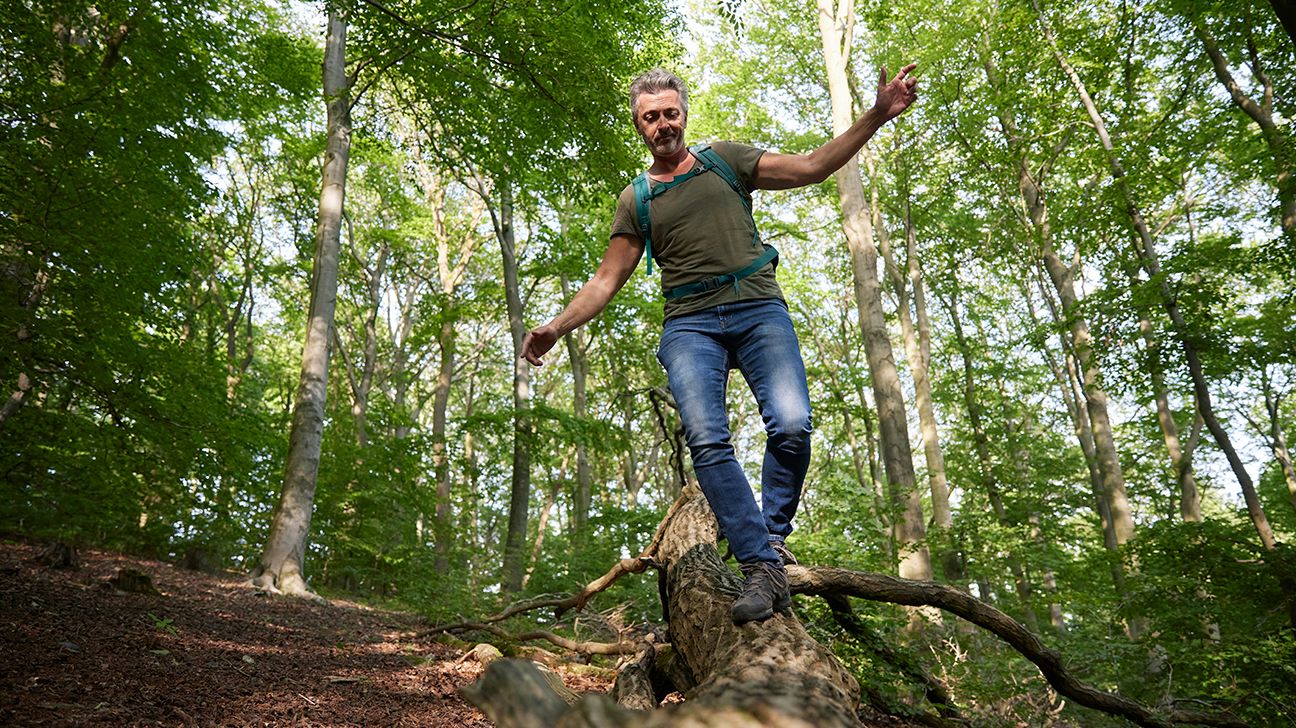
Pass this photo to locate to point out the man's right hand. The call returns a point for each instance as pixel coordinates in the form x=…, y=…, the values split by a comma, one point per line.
x=538, y=342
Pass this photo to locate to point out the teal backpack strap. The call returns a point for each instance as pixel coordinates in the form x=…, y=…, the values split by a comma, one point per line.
x=710, y=284
x=644, y=193
x=642, y=196
x=713, y=162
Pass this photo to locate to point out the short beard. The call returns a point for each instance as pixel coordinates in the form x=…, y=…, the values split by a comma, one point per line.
x=665, y=147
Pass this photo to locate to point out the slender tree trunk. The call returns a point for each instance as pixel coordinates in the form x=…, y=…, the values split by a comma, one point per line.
x=1180, y=458
x=440, y=458
x=23, y=386
x=988, y=481
x=361, y=382
x=576, y=352
x=917, y=342
x=836, y=26
x=1035, y=213
x=449, y=275
x=476, y=541
x=281, y=566
x=868, y=473
x=520, y=489
x=1070, y=386
x=1095, y=397
x=542, y=523
x=1047, y=578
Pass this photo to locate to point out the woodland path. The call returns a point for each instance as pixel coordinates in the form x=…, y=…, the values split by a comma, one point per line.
x=210, y=652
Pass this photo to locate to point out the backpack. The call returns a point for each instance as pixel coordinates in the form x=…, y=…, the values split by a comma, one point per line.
x=711, y=162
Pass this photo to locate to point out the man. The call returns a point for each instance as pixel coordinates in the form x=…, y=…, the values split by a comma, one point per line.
x=724, y=311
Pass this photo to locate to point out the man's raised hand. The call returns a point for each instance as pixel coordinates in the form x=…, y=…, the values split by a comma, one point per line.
x=896, y=95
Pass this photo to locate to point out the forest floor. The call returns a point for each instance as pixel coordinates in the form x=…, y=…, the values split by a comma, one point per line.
x=210, y=651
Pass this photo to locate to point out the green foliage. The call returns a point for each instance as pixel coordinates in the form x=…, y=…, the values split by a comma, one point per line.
x=157, y=231
x=115, y=114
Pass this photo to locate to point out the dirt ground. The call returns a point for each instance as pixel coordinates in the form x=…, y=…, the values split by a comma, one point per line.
x=209, y=651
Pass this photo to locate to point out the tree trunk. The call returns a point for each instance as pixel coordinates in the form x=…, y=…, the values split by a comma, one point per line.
x=1278, y=439
x=281, y=567
x=542, y=523
x=916, y=330
x=864, y=460
x=1035, y=214
x=450, y=273
x=520, y=489
x=1180, y=457
x=988, y=482
x=23, y=386
x=836, y=26
x=1070, y=387
x=440, y=458
x=361, y=382
x=576, y=352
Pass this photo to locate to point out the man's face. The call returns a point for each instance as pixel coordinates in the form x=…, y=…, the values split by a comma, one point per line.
x=660, y=120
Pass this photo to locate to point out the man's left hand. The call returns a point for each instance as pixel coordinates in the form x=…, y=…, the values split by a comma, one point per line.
x=896, y=95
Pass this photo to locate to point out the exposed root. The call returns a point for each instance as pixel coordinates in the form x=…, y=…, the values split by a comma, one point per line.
x=294, y=586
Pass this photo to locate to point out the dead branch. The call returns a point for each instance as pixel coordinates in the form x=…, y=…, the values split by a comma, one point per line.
x=822, y=581
x=633, y=688
x=510, y=611
x=624, y=647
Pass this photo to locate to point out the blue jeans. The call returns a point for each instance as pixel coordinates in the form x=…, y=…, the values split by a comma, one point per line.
x=698, y=350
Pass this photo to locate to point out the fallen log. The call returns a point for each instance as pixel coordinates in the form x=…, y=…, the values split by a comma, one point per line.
x=769, y=674
x=758, y=674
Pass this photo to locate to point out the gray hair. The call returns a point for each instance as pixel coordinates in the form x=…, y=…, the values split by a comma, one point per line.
x=656, y=81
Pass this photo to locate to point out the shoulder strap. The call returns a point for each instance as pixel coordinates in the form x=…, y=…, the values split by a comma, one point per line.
x=712, y=161
x=642, y=195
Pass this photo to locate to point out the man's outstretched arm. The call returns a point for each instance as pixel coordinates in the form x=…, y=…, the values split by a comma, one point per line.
x=783, y=171
x=622, y=256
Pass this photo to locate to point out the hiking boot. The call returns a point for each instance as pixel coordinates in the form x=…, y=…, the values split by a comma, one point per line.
x=764, y=592
x=785, y=556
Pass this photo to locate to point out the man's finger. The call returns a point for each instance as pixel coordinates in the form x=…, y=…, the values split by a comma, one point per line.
x=882, y=79
x=905, y=71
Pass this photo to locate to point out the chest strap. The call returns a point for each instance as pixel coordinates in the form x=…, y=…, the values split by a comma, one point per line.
x=710, y=284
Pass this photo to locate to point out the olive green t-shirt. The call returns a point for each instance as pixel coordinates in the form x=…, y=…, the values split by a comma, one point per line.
x=701, y=230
